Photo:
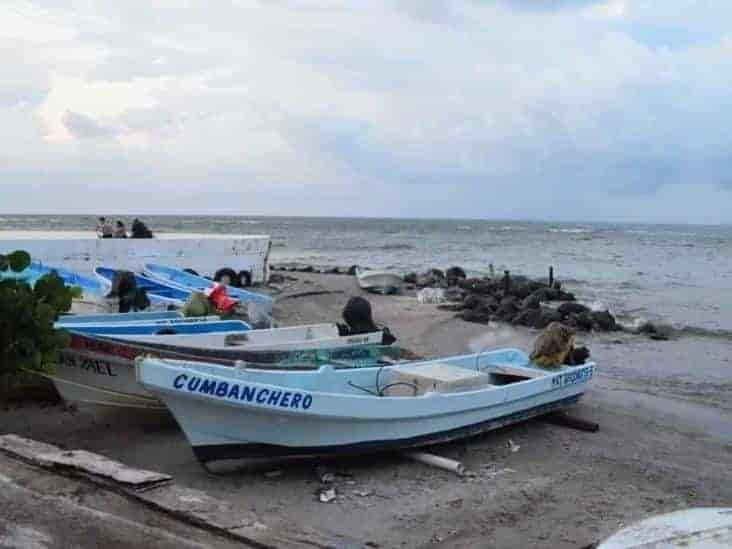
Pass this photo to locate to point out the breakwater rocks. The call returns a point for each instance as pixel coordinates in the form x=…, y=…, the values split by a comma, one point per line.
x=523, y=301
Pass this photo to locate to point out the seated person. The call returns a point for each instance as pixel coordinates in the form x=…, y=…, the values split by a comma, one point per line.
x=104, y=228
x=119, y=230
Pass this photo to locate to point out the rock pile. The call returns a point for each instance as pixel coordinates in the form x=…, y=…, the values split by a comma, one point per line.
x=516, y=300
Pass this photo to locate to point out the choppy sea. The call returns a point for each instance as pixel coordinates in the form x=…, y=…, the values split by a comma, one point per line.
x=680, y=274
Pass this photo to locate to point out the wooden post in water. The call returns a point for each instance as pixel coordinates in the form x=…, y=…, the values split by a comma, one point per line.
x=506, y=281
x=551, y=276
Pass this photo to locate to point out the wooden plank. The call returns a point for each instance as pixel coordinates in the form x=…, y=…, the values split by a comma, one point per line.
x=87, y=463
x=157, y=491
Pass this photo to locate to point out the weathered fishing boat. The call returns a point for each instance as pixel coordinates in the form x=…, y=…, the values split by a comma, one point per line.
x=696, y=528
x=156, y=291
x=193, y=325
x=235, y=346
x=142, y=316
x=229, y=413
x=101, y=371
x=89, y=286
x=382, y=282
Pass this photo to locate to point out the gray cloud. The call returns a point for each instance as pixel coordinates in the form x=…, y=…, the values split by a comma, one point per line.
x=83, y=126
x=458, y=108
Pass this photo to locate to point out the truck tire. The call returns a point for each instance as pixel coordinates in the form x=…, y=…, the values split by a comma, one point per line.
x=244, y=279
x=226, y=276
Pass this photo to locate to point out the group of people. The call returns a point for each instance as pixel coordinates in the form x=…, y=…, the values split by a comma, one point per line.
x=105, y=229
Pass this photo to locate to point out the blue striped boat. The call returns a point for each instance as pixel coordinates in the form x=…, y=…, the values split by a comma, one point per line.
x=101, y=318
x=229, y=413
x=156, y=291
x=172, y=327
x=191, y=282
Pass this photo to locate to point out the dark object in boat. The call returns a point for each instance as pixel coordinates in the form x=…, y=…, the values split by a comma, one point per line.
x=359, y=320
x=553, y=346
x=578, y=355
x=123, y=282
x=357, y=315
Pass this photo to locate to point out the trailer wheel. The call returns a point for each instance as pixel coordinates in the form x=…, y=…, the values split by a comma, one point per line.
x=225, y=276
x=244, y=279
x=190, y=271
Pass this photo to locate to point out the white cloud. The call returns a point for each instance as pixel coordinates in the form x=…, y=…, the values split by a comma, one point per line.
x=535, y=102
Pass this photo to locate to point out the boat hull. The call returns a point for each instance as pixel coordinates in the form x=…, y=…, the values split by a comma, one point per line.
x=218, y=452
x=237, y=413
x=382, y=282
x=101, y=371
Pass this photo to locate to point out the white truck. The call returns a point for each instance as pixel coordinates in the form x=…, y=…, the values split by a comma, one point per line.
x=244, y=259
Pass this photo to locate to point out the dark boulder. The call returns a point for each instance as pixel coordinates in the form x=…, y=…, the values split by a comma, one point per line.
x=276, y=278
x=572, y=308
x=531, y=318
x=561, y=295
x=520, y=290
x=307, y=269
x=431, y=278
x=531, y=302
x=472, y=301
x=478, y=285
x=454, y=293
x=507, y=309
x=581, y=321
x=604, y=321
x=481, y=315
x=551, y=315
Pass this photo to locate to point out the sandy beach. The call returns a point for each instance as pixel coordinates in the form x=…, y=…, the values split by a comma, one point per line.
x=665, y=443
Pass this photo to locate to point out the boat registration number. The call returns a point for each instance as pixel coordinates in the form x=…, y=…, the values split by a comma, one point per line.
x=570, y=378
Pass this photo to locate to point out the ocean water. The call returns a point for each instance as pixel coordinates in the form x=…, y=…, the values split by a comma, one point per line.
x=676, y=273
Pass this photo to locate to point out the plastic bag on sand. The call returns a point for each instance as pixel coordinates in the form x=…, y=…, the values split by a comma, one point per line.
x=431, y=295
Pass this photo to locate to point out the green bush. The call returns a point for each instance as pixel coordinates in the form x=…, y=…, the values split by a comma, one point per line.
x=28, y=340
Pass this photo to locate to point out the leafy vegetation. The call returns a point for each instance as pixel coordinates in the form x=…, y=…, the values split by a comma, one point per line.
x=28, y=340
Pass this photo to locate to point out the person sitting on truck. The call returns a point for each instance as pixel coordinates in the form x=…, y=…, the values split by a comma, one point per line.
x=119, y=230
x=140, y=230
x=104, y=228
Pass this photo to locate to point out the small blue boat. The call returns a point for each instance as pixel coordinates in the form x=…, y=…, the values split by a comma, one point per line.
x=156, y=291
x=230, y=413
x=88, y=285
x=191, y=282
x=102, y=318
x=162, y=328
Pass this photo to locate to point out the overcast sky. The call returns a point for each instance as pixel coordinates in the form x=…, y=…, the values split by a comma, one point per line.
x=549, y=109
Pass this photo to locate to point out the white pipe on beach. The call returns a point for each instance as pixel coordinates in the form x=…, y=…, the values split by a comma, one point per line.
x=438, y=461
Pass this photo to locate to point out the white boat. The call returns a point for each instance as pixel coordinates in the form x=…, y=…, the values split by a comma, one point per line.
x=382, y=282
x=696, y=528
x=100, y=370
x=312, y=336
x=230, y=413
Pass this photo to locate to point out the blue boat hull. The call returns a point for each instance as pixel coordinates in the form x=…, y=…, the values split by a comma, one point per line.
x=163, y=328
x=155, y=290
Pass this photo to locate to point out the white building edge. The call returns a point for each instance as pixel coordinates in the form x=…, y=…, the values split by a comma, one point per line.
x=204, y=253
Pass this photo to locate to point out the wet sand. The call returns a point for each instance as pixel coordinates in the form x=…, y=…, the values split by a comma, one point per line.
x=665, y=442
